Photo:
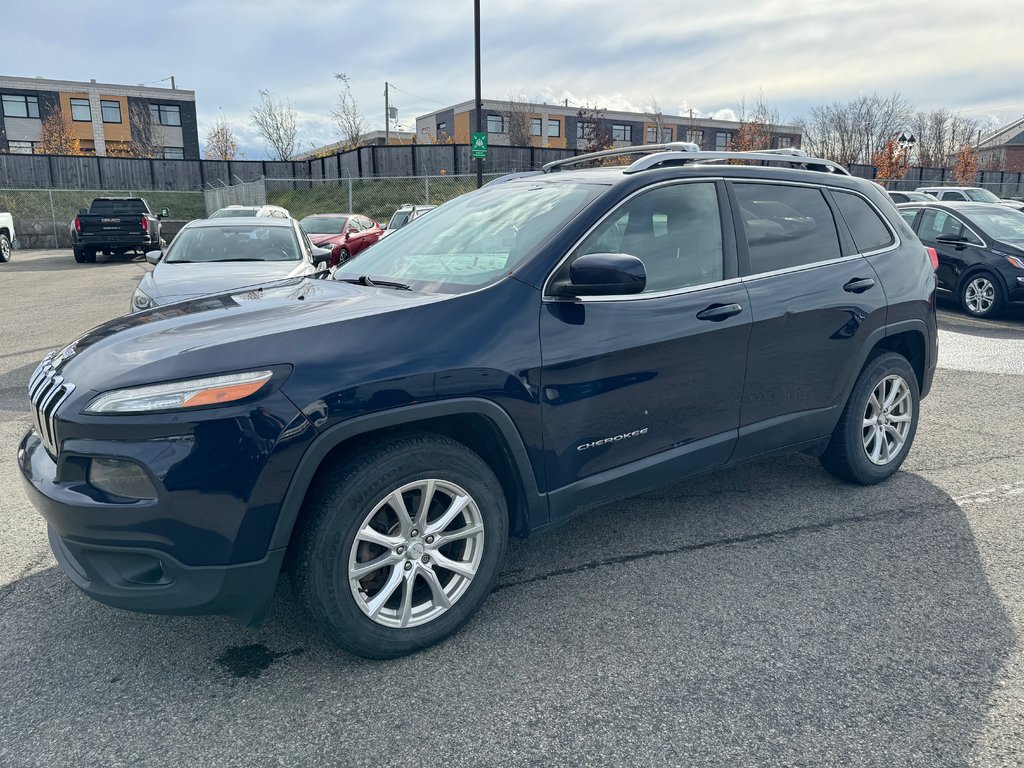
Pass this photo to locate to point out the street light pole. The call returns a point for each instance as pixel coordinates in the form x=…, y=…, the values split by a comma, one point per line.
x=479, y=103
x=387, y=117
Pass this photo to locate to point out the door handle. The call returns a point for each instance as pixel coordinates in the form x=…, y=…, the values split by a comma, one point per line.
x=859, y=285
x=716, y=313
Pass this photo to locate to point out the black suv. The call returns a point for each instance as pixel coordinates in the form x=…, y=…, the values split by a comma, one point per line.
x=529, y=350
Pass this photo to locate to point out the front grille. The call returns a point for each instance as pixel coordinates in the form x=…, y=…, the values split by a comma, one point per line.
x=47, y=391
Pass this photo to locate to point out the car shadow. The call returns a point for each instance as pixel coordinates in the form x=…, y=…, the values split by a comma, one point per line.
x=59, y=260
x=763, y=615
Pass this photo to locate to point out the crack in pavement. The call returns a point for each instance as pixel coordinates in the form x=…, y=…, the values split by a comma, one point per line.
x=894, y=516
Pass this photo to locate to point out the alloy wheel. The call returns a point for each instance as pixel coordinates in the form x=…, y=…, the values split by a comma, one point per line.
x=416, y=553
x=980, y=295
x=887, y=419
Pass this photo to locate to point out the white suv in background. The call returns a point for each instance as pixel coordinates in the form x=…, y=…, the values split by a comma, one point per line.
x=970, y=195
x=404, y=215
x=274, y=211
x=6, y=237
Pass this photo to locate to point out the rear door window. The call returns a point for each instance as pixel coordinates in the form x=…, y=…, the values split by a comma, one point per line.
x=869, y=232
x=786, y=226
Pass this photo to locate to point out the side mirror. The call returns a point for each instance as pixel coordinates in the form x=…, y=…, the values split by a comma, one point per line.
x=153, y=257
x=322, y=256
x=348, y=233
x=952, y=239
x=603, y=274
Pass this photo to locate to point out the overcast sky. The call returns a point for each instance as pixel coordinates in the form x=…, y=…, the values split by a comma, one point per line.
x=686, y=55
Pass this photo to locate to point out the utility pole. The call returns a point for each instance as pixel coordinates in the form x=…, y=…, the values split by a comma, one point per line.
x=387, y=117
x=479, y=102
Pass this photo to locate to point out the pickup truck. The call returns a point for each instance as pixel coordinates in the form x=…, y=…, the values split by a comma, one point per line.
x=115, y=225
x=6, y=237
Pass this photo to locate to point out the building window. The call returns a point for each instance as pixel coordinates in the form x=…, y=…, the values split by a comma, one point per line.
x=536, y=125
x=695, y=135
x=495, y=124
x=21, y=106
x=666, y=135
x=622, y=132
x=81, y=112
x=22, y=147
x=111, y=111
x=174, y=153
x=651, y=135
x=784, y=142
x=582, y=130
x=722, y=139
x=442, y=128
x=164, y=114
x=554, y=128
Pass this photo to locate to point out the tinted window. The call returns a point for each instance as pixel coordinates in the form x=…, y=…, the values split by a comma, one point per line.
x=869, y=231
x=786, y=226
x=117, y=207
x=675, y=231
x=952, y=196
x=909, y=215
x=935, y=223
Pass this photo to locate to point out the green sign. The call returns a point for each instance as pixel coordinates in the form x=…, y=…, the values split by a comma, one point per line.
x=479, y=146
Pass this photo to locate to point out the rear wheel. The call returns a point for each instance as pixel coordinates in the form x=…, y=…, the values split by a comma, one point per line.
x=981, y=295
x=877, y=427
x=5, y=248
x=399, y=549
x=343, y=256
x=80, y=255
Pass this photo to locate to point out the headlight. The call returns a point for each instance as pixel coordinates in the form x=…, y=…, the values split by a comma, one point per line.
x=140, y=301
x=213, y=390
x=1017, y=261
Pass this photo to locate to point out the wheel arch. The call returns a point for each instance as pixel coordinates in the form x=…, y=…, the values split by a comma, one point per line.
x=481, y=425
x=973, y=270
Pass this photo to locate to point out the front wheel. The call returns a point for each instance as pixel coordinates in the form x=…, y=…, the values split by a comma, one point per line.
x=343, y=256
x=877, y=427
x=398, y=549
x=981, y=295
x=5, y=249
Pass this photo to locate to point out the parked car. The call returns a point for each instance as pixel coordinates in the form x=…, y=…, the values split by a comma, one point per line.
x=969, y=195
x=346, y=234
x=244, y=211
x=525, y=352
x=115, y=225
x=980, y=249
x=217, y=255
x=908, y=197
x=404, y=215
x=7, y=236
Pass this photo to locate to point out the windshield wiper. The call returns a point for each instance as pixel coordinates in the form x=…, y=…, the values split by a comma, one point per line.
x=364, y=280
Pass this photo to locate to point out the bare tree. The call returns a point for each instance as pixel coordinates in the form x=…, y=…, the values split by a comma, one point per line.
x=346, y=114
x=939, y=135
x=656, y=119
x=516, y=114
x=221, y=143
x=57, y=135
x=594, y=133
x=276, y=122
x=148, y=136
x=757, y=125
x=855, y=131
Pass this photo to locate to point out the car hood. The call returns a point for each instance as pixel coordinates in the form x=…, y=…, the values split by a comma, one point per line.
x=232, y=329
x=174, y=282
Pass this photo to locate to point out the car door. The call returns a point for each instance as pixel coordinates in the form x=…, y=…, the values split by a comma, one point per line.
x=814, y=301
x=370, y=230
x=356, y=240
x=954, y=258
x=643, y=388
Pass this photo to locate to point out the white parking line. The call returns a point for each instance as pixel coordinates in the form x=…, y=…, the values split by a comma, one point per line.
x=989, y=495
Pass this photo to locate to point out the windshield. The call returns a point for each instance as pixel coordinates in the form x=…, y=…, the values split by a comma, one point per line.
x=981, y=196
x=1001, y=224
x=228, y=213
x=473, y=239
x=399, y=220
x=117, y=207
x=323, y=225
x=241, y=242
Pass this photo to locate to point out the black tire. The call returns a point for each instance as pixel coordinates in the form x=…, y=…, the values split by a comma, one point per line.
x=339, y=506
x=847, y=456
x=343, y=256
x=90, y=255
x=5, y=248
x=977, y=301
x=80, y=255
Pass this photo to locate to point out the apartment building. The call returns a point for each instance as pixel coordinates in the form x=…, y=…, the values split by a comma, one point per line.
x=1003, y=149
x=558, y=125
x=106, y=118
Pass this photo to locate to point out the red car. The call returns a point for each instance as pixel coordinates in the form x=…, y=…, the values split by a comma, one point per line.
x=346, y=234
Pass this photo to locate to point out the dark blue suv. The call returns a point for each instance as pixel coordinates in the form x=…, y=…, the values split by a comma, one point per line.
x=540, y=346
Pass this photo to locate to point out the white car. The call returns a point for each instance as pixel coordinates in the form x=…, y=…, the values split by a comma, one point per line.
x=970, y=195
x=6, y=237
x=233, y=211
x=404, y=215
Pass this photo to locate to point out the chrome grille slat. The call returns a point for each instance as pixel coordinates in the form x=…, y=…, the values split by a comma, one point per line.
x=47, y=391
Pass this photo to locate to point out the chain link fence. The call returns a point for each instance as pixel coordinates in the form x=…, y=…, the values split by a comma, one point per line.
x=377, y=198
x=43, y=217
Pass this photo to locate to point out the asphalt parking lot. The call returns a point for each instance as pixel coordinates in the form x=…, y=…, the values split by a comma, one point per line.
x=766, y=615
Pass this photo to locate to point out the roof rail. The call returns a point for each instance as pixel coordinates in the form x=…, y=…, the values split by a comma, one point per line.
x=641, y=149
x=794, y=157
